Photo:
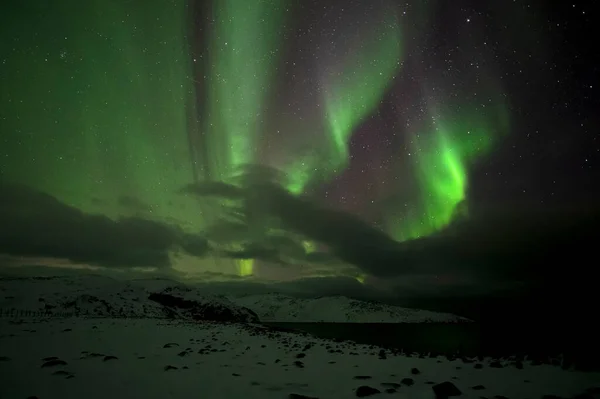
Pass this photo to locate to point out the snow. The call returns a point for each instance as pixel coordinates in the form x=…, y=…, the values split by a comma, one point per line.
x=96, y=295
x=282, y=308
x=130, y=358
x=92, y=295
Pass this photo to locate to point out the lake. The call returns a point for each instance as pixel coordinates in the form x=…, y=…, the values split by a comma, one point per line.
x=578, y=345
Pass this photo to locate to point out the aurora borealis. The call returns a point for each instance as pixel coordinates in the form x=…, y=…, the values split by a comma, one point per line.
x=397, y=114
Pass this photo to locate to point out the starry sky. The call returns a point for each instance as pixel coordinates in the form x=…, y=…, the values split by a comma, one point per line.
x=398, y=144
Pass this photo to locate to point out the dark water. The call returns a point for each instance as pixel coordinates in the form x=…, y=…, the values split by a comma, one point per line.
x=578, y=345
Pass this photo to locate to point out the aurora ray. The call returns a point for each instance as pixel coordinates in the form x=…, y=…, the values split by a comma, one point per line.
x=441, y=156
x=243, y=54
x=107, y=91
x=354, y=74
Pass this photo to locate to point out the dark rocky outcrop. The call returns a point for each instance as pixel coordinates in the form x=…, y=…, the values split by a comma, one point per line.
x=209, y=311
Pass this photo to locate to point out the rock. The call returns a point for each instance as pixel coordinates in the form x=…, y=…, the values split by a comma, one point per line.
x=408, y=381
x=107, y=358
x=415, y=371
x=169, y=367
x=300, y=396
x=362, y=377
x=478, y=387
x=365, y=390
x=54, y=363
x=445, y=390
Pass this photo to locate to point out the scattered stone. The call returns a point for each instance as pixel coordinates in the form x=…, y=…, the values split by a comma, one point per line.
x=169, y=367
x=478, y=387
x=300, y=396
x=108, y=358
x=170, y=345
x=408, y=381
x=67, y=330
x=54, y=363
x=236, y=374
x=415, y=371
x=445, y=389
x=365, y=390
x=183, y=353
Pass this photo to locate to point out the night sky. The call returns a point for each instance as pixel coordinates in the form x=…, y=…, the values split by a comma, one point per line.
x=412, y=148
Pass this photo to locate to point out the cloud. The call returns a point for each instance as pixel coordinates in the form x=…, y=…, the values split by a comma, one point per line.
x=133, y=203
x=485, y=246
x=37, y=224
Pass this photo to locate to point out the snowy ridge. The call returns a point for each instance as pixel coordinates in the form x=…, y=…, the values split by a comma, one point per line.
x=91, y=295
x=336, y=309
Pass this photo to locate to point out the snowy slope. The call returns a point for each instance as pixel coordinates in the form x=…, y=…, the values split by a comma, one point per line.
x=92, y=295
x=77, y=358
x=282, y=308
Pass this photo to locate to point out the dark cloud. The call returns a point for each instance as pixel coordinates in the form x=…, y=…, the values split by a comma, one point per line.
x=348, y=237
x=214, y=189
x=532, y=244
x=133, y=203
x=36, y=224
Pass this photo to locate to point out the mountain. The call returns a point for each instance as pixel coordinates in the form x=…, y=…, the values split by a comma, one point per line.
x=100, y=296
x=336, y=309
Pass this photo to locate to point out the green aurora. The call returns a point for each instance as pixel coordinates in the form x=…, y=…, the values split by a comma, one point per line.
x=97, y=109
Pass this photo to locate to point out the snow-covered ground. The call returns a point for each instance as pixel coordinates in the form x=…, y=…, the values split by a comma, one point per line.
x=283, y=308
x=150, y=358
